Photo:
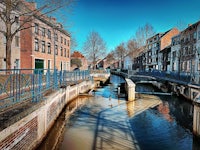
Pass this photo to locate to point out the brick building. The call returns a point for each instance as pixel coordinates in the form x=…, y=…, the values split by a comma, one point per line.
x=155, y=45
x=45, y=42
x=81, y=57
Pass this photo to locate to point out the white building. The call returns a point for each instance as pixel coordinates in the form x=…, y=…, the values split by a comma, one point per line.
x=15, y=47
x=175, y=54
x=128, y=62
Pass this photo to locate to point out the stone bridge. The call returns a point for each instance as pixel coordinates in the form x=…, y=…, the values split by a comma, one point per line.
x=188, y=90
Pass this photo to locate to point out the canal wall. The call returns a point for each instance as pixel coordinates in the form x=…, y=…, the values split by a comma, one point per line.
x=29, y=131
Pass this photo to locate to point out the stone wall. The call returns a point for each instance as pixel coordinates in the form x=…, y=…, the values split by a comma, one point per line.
x=28, y=132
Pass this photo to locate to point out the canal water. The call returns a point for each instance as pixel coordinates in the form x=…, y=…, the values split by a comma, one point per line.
x=107, y=121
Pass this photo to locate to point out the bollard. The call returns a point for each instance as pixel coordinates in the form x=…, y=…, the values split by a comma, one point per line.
x=118, y=90
x=130, y=89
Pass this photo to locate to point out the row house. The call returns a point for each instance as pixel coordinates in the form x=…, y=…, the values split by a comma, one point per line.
x=173, y=51
x=133, y=60
x=157, y=48
x=15, y=46
x=186, y=52
x=46, y=45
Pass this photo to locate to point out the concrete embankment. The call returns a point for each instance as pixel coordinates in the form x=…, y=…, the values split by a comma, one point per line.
x=28, y=131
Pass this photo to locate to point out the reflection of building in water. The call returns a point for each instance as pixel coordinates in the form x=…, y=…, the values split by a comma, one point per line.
x=196, y=120
x=163, y=108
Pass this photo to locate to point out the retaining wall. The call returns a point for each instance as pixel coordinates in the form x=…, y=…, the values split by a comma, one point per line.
x=28, y=132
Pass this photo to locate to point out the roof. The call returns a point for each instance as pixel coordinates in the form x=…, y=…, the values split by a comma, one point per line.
x=31, y=6
x=77, y=54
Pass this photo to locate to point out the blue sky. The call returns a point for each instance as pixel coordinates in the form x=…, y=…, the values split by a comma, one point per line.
x=117, y=20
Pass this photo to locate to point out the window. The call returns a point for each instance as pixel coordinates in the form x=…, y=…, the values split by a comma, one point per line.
x=17, y=41
x=49, y=64
x=56, y=37
x=43, y=31
x=61, y=51
x=198, y=35
x=36, y=45
x=17, y=64
x=174, y=55
x=199, y=65
x=173, y=66
x=68, y=42
x=49, y=48
x=149, y=46
x=56, y=49
x=68, y=53
x=43, y=46
x=36, y=28
x=195, y=35
x=65, y=42
x=65, y=52
x=17, y=19
x=61, y=39
x=49, y=34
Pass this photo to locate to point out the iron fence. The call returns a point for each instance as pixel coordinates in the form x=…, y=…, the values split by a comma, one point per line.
x=167, y=75
x=17, y=85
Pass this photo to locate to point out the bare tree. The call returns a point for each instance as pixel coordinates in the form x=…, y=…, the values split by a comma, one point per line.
x=143, y=33
x=181, y=25
x=15, y=14
x=73, y=44
x=94, y=47
x=110, y=58
x=132, y=45
x=133, y=49
x=120, y=52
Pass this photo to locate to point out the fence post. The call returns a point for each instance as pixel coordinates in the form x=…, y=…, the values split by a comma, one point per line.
x=48, y=79
x=33, y=86
x=55, y=79
x=61, y=77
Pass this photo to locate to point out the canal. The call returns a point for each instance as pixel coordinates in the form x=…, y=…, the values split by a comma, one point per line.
x=106, y=120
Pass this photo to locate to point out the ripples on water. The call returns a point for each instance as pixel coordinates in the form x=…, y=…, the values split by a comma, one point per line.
x=168, y=125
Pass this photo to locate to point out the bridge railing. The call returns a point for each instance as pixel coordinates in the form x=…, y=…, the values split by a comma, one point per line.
x=18, y=85
x=170, y=75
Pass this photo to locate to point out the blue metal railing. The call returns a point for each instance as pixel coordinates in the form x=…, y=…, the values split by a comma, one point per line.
x=17, y=85
x=170, y=75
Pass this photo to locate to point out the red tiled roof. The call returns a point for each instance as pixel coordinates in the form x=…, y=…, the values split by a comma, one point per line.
x=77, y=54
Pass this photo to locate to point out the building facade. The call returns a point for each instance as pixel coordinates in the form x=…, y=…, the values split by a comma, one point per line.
x=189, y=52
x=15, y=46
x=155, y=45
x=46, y=45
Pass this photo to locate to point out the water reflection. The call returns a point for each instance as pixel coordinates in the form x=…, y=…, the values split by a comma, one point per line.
x=166, y=126
x=108, y=122
x=57, y=131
